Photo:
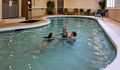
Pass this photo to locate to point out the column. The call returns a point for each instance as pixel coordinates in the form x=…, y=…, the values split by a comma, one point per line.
x=20, y=4
x=0, y=10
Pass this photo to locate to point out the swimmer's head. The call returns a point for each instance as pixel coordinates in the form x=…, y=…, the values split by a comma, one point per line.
x=74, y=34
x=64, y=27
x=50, y=35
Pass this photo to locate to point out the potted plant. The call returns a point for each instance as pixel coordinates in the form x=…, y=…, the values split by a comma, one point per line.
x=50, y=7
x=102, y=4
x=81, y=11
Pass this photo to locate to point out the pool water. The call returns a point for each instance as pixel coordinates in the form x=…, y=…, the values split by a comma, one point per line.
x=28, y=50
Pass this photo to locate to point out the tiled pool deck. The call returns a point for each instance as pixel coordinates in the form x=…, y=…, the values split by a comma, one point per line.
x=111, y=27
x=14, y=26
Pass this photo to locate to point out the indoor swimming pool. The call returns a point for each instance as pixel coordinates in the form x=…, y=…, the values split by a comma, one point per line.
x=28, y=50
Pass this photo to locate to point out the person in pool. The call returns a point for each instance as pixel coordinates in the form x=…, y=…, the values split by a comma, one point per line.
x=47, y=40
x=73, y=36
x=64, y=34
x=51, y=36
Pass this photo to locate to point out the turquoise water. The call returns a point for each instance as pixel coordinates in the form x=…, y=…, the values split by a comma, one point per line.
x=27, y=49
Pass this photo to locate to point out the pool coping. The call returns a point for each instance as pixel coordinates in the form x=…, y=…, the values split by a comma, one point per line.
x=115, y=65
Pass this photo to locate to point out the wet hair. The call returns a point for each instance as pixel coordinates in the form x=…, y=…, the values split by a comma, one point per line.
x=74, y=34
x=64, y=27
x=50, y=35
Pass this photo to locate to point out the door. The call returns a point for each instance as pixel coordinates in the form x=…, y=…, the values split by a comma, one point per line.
x=10, y=8
x=60, y=5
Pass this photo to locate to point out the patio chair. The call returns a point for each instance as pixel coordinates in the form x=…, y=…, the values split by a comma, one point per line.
x=75, y=11
x=65, y=11
x=88, y=11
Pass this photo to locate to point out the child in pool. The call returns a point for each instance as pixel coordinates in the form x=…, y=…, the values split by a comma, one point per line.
x=73, y=36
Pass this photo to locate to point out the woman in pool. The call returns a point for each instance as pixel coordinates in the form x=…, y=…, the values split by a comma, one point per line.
x=51, y=36
x=47, y=40
x=65, y=32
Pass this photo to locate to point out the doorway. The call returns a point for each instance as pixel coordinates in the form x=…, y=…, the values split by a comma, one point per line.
x=60, y=6
x=10, y=8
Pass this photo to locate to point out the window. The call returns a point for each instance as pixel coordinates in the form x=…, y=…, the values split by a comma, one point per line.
x=111, y=3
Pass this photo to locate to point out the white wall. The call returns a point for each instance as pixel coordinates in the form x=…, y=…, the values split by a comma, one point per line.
x=114, y=13
x=38, y=12
x=117, y=4
x=55, y=6
x=86, y=4
x=39, y=3
x=0, y=10
x=38, y=7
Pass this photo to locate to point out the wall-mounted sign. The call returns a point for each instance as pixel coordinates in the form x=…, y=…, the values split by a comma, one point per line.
x=10, y=3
